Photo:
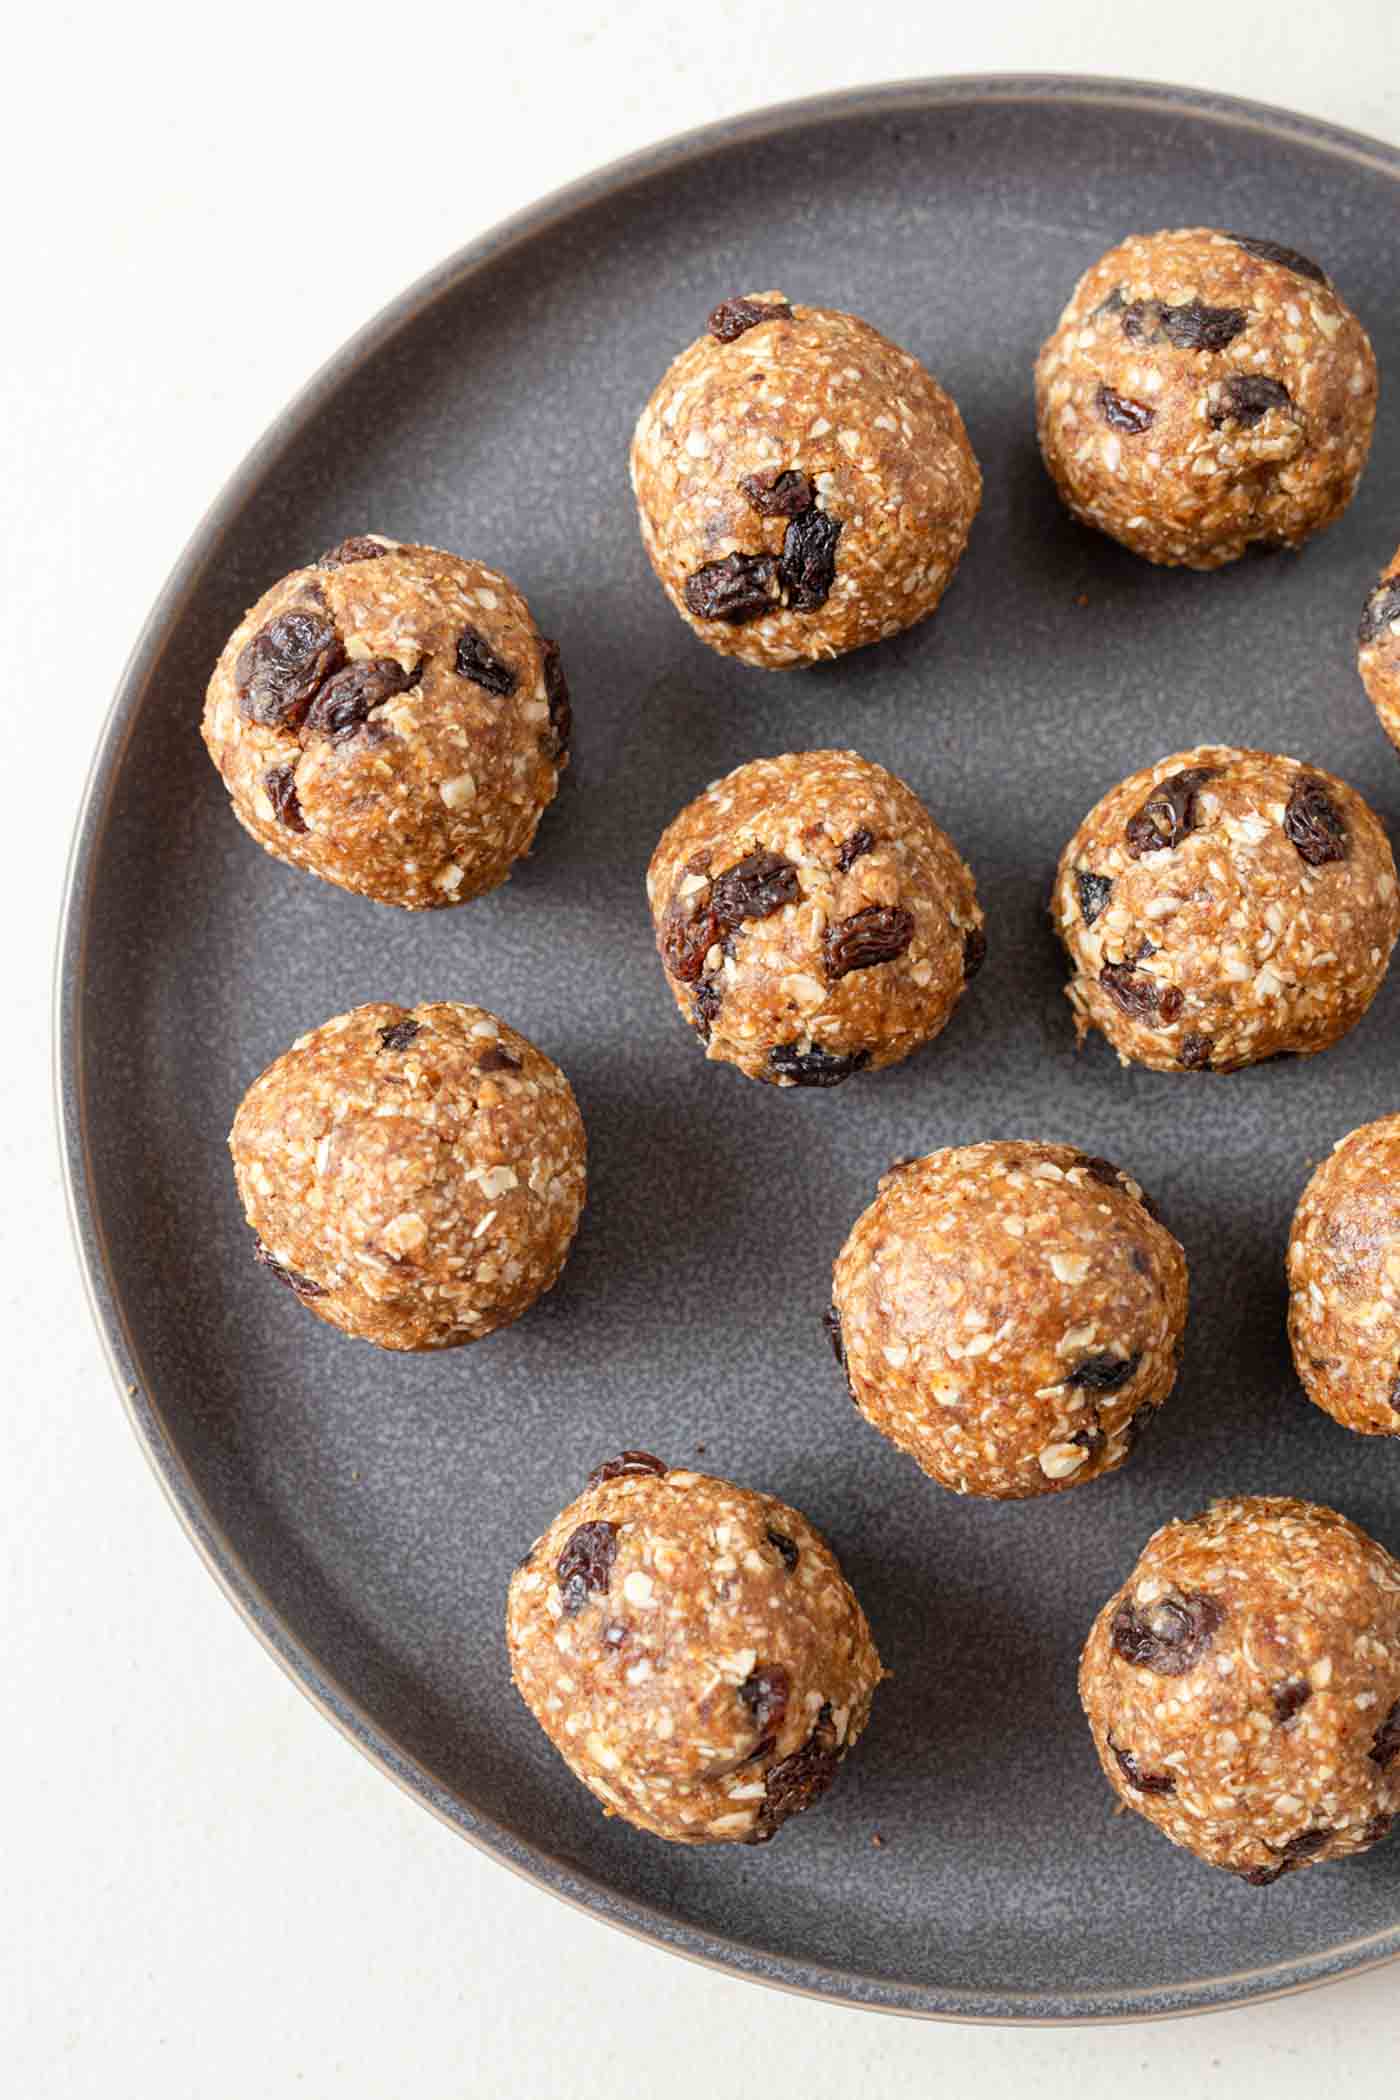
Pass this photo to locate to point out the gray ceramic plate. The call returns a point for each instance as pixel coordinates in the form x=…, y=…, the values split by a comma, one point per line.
x=363, y=1511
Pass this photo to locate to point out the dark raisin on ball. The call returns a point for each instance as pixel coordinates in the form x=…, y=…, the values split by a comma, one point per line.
x=478, y=661
x=1386, y=1746
x=284, y=666
x=1138, y=995
x=497, y=1059
x=1103, y=1373
x=293, y=1278
x=281, y=785
x=399, y=1034
x=1190, y=326
x=626, y=1462
x=1168, y=813
x=735, y=317
x=1246, y=398
x=1122, y=413
x=765, y=1693
x=974, y=952
x=754, y=888
x=1094, y=893
x=584, y=1567
x=556, y=692
x=1289, y=1698
x=1142, y=1782
x=1193, y=1052
x=1313, y=822
x=1275, y=252
x=879, y=934
x=705, y=1003
x=1169, y=1636
x=784, y=1547
x=735, y=590
x=1382, y=611
x=1113, y=304
x=346, y=701
x=807, y=566
x=797, y=1781
x=860, y=842
x=815, y=1067
x=780, y=492
x=359, y=547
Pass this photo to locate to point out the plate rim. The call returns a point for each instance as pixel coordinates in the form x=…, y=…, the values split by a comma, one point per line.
x=532, y=1862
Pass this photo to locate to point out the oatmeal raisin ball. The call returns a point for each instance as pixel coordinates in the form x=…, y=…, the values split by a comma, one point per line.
x=812, y=918
x=1223, y=907
x=1010, y=1314
x=1378, y=654
x=692, y=1650
x=1344, y=1281
x=804, y=486
x=391, y=718
x=1243, y=1687
x=1205, y=391
x=414, y=1174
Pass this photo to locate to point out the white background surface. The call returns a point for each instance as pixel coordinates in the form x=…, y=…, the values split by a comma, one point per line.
x=203, y=1890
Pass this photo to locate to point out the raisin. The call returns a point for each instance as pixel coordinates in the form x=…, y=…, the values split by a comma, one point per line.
x=359, y=547
x=1289, y=1698
x=796, y=1781
x=781, y=492
x=807, y=567
x=1139, y=1422
x=974, y=952
x=343, y=705
x=1382, y=611
x=1142, y=1782
x=1094, y=893
x=1261, y=1877
x=784, y=1547
x=477, y=660
x=1121, y=413
x=1313, y=822
x=705, y=1003
x=585, y=1564
x=1379, y=1826
x=765, y=1693
x=879, y=934
x=861, y=841
x=1306, y=1843
x=1386, y=1746
x=497, y=1060
x=1191, y=326
x=1132, y=991
x=831, y=1321
x=556, y=692
x=754, y=888
x=1113, y=304
x=735, y=317
x=293, y=1278
x=399, y=1034
x=739, y=588
x=282, y=669
x=1170, y=1001
x=1246, y=398
x=815, y=1067
x=625, y=1462
x=1274, y=252
x=280, y=783
x=1169, y=1636
x=1090, y=1440
x=1103, y=1373
x=1169, y=812
x=1194, y=1052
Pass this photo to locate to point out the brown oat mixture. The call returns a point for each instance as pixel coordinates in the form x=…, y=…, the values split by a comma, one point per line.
x=1344, y=1281
x=1378, y=650
x=804, y=486
x=1243, y=1687
x=391, y=719
x=1010, y=1314
x=1226, y=906
x=414, y=1174
x=692, y=1650
x=1203, y=392
x=812, y=919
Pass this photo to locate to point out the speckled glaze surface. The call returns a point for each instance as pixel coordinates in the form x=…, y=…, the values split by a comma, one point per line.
x=364, y=1511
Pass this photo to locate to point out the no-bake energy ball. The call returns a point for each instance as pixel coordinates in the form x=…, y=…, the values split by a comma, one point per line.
x=391, y=718
x=804, y=486
x=812, y=918
x=1378, y=653
x=692, y=1650
x=1243, y=1687
x=1009, y=1314
x=414, y=1175
x=1223, y=907
x=1204, y=391
x=1344, y=1281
